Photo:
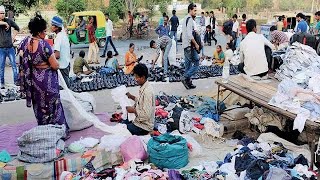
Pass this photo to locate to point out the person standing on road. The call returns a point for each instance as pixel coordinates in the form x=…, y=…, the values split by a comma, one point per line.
x=213, y=27
x=6, y=46
x=163, y=44
x=174, y=21
x=207, y=19
x=163, y=30
x=39, y=75
x=93, y=46
x=243, y=28
x=130, y=23
x=61, y=48
x=190, y=47
x=302, y=24
x=235, y=30
x=161, y=20
x=317, y=26
x=109, y=29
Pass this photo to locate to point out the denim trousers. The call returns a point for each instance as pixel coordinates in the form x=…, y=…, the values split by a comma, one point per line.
x=4, y=53
x=109, y=40
x=191, y=59
x=166, y=57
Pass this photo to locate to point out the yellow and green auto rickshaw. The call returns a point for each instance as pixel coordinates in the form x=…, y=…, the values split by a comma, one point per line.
x=78, y=35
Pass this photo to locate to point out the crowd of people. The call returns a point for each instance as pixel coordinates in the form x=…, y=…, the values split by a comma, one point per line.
x=39, y=62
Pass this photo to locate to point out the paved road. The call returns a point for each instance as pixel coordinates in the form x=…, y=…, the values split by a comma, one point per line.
x=15, y=112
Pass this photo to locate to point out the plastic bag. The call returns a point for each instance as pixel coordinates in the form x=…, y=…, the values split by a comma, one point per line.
x=119, y=96
x=76, y=121
x=173, y=54
x=111, y=142
x=132, y=148
x=117, y=129
x=185, y=123
x=196, y=147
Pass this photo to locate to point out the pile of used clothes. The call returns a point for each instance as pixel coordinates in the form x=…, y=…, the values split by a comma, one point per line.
x=270, y=157
x=299, y=90
x=98, y=81
x=190, y=113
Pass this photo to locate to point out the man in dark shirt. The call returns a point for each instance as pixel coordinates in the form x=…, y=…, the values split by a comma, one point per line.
x=6, y=45
x=174, y=21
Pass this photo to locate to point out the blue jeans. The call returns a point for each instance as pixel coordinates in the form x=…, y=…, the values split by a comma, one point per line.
x=109, y=39
x=165, y=57
x=135, y=130
x=4, y=53
x=191, y=59
x=173, y=34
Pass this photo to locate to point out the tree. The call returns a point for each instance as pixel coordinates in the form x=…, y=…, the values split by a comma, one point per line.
x=116, y=9
x=20, y=6
x=66, y=8
x=131, y=5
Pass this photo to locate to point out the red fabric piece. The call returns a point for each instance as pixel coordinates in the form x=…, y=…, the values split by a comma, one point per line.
x=197, y=119
x=161, y=113
x=156, y=133
x=199, y=126
x=243, y=28
x=157, y=102
x=190, y=146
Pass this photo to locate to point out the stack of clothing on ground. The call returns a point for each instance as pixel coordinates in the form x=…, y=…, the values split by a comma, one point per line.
x=11, y=94
x=299, y=90
x=270, y=157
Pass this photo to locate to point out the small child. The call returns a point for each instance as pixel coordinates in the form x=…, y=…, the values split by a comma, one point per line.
x=79, y=63
x=207, y=36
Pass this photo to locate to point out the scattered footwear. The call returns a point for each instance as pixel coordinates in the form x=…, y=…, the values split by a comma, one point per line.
x=185, y=83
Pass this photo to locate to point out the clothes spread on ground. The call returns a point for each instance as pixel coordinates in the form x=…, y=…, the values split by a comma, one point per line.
x=298, y=93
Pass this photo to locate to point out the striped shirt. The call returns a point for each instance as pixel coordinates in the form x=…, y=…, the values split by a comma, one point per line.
x=279, y=37
x=162, y=43
x=145, y=107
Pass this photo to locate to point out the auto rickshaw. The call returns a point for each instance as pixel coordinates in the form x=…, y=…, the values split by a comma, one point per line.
x=292, y=21
x=77, y=36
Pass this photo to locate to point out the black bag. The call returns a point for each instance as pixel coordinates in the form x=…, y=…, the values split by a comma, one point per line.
x=176, y=118
x=196, y=37
x=227, y=28
x=304, y=38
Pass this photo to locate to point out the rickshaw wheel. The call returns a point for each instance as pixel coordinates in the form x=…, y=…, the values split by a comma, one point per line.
x=102, y=42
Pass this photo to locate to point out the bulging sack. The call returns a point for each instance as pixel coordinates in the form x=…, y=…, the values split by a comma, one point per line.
x=168, y=151
x=133, y=148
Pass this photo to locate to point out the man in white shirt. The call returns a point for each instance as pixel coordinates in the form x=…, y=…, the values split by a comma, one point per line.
x=252, y=52
x=61, y=48
x=207, y=19
x=109, y=29
x=235, y=29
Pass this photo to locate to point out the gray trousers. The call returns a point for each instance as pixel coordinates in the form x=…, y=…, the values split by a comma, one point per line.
x=65, y=73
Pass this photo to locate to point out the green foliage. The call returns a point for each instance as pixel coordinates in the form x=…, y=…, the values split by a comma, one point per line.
x=163, y=7
x=116, y=9
x=66, y=8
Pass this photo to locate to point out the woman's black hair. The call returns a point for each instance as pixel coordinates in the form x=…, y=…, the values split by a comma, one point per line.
x=37, y=25
x=82, y=54
x=109, y=54
x=130, y=45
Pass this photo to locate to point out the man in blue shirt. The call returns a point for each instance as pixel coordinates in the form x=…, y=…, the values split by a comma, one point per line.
x=302, y=24
x=163, y=30
x=174, y=21
x=317, y=28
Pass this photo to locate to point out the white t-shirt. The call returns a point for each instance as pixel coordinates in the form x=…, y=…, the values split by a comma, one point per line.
x=207, y=20
x=235, y=26
x=252, y=53
x=61, y=44
x=109, y=28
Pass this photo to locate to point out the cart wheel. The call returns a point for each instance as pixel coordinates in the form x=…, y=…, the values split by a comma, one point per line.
x=102, y=42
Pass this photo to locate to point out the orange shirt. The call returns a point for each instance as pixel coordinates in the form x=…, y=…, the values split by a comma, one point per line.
x=130, y=59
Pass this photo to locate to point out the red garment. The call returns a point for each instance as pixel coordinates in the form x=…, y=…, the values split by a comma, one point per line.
x=243, y=28
x=91, y=33
x=161, y=113
x=199, y=126
x=285, y=23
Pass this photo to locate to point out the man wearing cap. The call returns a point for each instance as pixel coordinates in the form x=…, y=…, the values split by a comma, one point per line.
x=61, y=48
x=6, y=45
